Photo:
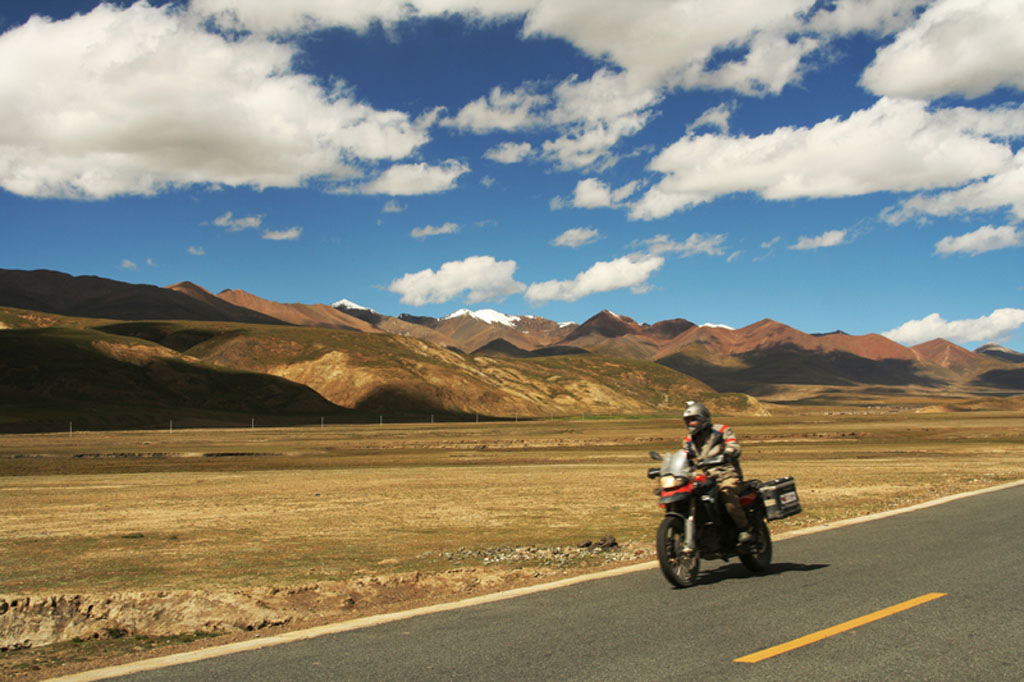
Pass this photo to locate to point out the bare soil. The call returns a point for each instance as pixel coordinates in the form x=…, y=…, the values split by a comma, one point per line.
x=126, y=545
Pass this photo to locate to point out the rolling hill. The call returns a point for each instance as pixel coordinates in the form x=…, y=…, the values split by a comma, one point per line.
x=300, y=314
x=485, y=362
x=50, y=377
x=86, y=296
x=404, y=375
x=117, y=374
x=996, y=351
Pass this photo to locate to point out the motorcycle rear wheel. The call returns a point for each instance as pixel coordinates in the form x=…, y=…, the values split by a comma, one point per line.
x=679, y=567
x=759, y=558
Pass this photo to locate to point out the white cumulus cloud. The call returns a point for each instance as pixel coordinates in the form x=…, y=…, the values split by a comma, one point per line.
x=675, y=44
x=1000, y=190
x=987, y=238
x=576, y=237
x=592, y=115
x=652, y=47
x=414, y=178
x=659, y=43
x=431, y=231
x=302, y=15
x=882, y=17
x=143, y=98
x=500, y=110
x=593, y=193
x=896, y=146
x=234, y=224
x=287, y=235
x=509, y=152
x=999, y=325
x=589, y=144
x=966, y=47
x=481, y=278
x=822, y=241
x=696, y=243
x=716, y=117
x=630, y=271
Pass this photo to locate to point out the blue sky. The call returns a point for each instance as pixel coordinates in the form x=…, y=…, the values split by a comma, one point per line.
x=851, y=165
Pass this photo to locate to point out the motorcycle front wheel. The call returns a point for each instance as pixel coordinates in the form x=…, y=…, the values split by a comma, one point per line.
x=759, y=558
x=677, y=565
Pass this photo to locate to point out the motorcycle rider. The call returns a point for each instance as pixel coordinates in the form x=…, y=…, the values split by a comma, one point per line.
x=704, y=442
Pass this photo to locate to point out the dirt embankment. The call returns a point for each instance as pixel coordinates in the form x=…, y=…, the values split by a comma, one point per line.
x=30, y=621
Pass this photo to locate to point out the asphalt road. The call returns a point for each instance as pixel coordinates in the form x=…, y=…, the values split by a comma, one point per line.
x=636, y=627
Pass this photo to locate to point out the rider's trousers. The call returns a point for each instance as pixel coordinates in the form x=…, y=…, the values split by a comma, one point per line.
x=729, y=491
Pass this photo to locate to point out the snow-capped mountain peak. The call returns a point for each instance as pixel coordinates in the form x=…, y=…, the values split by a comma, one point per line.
x=717, y=326
x=345, y=303
x=486, y=315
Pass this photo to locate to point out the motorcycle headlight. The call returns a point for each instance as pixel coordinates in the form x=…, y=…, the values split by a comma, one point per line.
x=670, y=481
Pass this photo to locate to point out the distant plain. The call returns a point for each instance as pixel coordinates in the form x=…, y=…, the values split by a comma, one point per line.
x=290, y=509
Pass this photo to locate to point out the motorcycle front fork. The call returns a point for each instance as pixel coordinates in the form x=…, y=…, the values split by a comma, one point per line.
x=691, y=527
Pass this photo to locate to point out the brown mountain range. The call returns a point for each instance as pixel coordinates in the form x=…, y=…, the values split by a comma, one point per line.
x=758, y=359
x=300, y=314
x=87, y=296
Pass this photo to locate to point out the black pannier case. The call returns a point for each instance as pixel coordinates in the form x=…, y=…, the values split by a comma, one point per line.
x=780, y=498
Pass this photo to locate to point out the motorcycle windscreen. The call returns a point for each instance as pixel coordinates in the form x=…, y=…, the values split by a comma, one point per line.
x=676, y=464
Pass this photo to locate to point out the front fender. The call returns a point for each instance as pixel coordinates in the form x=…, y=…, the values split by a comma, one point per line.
x=672, y=497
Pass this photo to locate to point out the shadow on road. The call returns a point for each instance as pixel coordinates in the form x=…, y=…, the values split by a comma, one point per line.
x=737, y=571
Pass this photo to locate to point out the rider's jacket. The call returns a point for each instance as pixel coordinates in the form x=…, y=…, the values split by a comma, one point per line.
x=710, y=442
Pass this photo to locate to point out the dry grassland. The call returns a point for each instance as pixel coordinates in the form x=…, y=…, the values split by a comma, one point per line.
x=354, y=511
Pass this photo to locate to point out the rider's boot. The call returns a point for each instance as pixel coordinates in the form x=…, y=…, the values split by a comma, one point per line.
x=745, y=537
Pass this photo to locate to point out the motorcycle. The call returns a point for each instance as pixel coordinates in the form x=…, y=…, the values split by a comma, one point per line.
x=696, y=524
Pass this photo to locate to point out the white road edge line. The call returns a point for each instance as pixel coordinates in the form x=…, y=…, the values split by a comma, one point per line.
x=370, y=621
